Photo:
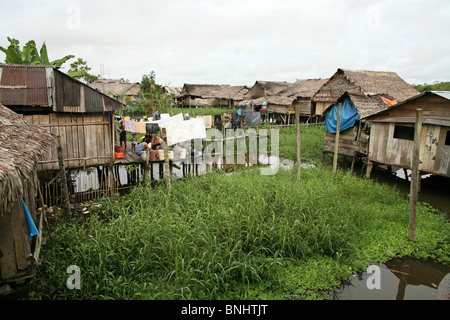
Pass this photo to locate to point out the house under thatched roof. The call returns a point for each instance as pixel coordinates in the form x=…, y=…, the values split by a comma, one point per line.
x=299, y=89
x=366, y=104
x=264, y=89
x=21, y=145
x=213, y=94
x=369, y=82
x=116, y=88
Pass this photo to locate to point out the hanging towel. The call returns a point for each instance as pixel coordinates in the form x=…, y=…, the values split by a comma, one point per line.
x=140, y=127
x=130, y=126
x=32, y=230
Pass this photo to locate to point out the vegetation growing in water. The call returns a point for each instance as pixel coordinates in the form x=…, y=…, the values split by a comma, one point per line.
x=239, y=236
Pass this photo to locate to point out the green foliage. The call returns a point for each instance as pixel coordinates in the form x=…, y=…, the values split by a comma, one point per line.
x=436, y=86
x=311, y=141
x=240, y=236
x=81, y=71
x=152, y=98
x=30, y=54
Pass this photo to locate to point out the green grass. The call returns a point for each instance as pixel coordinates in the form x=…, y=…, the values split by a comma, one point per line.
x=240, y=236
x=311, y=142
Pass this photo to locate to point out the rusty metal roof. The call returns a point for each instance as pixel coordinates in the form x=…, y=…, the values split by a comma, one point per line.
x=31, y=85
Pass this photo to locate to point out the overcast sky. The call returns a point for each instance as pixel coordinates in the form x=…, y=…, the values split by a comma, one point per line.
x=238, y=42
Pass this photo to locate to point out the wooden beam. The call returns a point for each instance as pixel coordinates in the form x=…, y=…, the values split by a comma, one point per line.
x=415, y=176
x=297, y=125
x=62, y=171
x=336, y=144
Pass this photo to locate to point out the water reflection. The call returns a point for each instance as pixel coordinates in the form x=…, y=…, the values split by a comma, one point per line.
x=401, y=279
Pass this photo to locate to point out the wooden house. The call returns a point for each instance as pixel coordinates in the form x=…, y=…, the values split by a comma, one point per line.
x=119, y=90
x=210, y=95
x=392, y=133
x=299, y=94
x=21, y=146
x=265, y=89
x=82, y=116
x=369, y=82
x=353, y=137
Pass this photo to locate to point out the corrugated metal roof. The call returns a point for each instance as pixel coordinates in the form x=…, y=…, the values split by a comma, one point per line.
x=23, y=85
x=443, y=94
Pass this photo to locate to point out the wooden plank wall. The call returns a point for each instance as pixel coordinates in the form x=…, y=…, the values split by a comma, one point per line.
x=434, y=154
x=348, y=145
x=14, y=244
x=86, y=139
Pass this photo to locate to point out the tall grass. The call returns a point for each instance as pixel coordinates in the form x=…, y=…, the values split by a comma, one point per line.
x=236, y=236
x=311, y=141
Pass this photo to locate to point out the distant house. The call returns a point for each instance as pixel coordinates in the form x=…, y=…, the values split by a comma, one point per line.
x=368, y=82
x=122, y=91
x=265, y=89
x=210, y=95
x=392, y=133
x=299, y=94
x=21, y=146
x=173, y=90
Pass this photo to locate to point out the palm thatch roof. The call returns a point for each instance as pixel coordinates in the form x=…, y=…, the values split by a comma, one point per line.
x=366, y=104
x=305, y=88
x=374, y=82
x=206, y=91
x=21, y=145
x=263, y=89
x=115, y=88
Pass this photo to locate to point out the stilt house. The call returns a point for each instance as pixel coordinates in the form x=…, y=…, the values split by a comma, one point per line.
x=80, y=115
x=392, y=133
x=206, y=95
x=368, y=82
x=353, y=137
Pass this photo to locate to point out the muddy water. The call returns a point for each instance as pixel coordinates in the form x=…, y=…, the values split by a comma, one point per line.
x=404, y=279
x=435, y=190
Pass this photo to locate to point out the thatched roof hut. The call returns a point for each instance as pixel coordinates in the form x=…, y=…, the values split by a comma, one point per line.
x=21, y=145
x=264, y=89
x=366, y=104
x=116, y=88
x=355, y=106
x=213, y=94
x=369, y=82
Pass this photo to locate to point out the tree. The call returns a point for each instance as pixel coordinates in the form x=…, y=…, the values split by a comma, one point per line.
x=152, y=97
x=80, y=70
x=436, y=86
x=30, y=54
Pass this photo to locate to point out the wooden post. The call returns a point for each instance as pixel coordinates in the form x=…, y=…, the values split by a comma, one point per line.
x=415, y=176
x=62, y=174
x=113, y=151
x=336, y=143
x=147, y=159
x=297, y=125
x=166, y=156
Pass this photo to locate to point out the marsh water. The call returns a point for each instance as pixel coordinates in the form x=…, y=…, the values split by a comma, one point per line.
x=399, y=279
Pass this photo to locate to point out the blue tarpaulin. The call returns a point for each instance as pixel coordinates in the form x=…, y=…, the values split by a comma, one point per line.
x=349, y=115
x=32, y=230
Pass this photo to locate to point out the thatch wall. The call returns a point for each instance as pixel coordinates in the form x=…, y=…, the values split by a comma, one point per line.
x=21, y=145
